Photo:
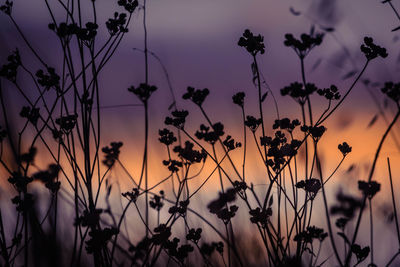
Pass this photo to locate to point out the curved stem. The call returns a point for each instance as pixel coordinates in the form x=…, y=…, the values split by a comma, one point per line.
x=322, y=119
x=326, y=208
x=349, y=254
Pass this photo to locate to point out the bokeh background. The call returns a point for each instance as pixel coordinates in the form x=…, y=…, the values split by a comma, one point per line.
x=196, y=42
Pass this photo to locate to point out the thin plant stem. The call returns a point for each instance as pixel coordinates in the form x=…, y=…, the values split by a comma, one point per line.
x=394, y=202
x=378, y=150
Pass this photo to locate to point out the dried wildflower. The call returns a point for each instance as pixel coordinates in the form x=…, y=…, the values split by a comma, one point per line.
x=67, y=123
x=9, y=70
x=372, y=50
x=361, y=253
x=305, y=44
x=238, y=99
x=31, y=114
x=143, y=92
x=87, y=99
x=189, y=154
x=117, y=24
x=49, y=177
x=298, y=92
x=310, y=234
x=24, y=203
x=196, y=95
x=173, y=165
x=226, y=214
x=287, y=150
x=344, y=148
x=7, y=7
x=252, y=123
x=64, y=31
x=278, y=149
x=180, y=253
x=183, y=252
x=178, y=120
x=166, y=137
x=129, y=5
x=89, y=218
x=28, y=157
x=194, y=235
x=157, y=201
x=172, y=246
x=240, y=186
x=330, y=93
x=131, y=195
x=369, y=189
x=111, y=153
x=261, y=217
x=162, y=233
x=210, y=136
x=57, y=135
x=99, y=239
x=87, y=34
x=279, y=139
x=224, y=198
x=230, y=143
x=219, y=247
x=266, y=140
x=253, y=44
x=19, y=181
x=141, y=249
x=286, y=124
x=316, y=132
x=295, y=143
x=49, y=79
x=341, y=223
x=392, y=90
x=311, y=186
x=181, y=208
x=207, y=249
x=347, y=205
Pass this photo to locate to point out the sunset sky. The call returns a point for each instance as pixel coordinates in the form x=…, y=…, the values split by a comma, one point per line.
x=197, y=44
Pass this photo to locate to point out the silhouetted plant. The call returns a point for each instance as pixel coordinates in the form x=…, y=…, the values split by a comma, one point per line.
x=305, y=44
x=392, y=90
x=330, y=93
x=68, y=108
x=372, y=50
x=344, y=148
x=253, y=44
x=238, y=99
x=310, y=234
x=143, y=92
x=369, y=189
x=196, y=95
x=178, y=120
x=298, y=92
x=166, y=137
x=347, y=205
x=361, y=253
x=49, y=177
x=111, y=153
x=252, y=123
x=9, y=70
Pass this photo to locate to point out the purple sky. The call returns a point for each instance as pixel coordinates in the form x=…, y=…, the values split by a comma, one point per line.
x=197, y=43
